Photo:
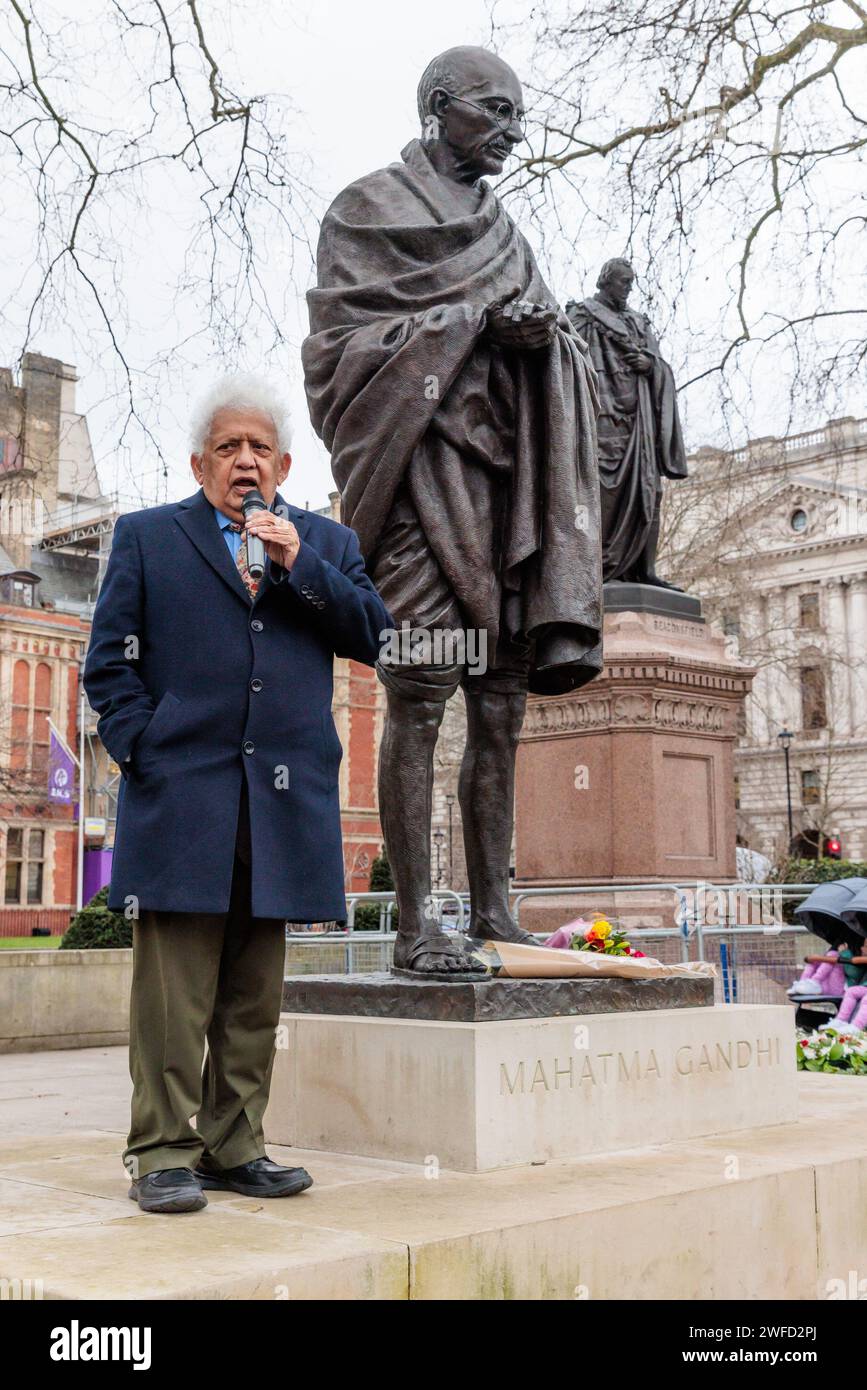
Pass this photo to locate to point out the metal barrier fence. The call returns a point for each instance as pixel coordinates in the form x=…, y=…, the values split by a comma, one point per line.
x=758, y=967
x=756, y=953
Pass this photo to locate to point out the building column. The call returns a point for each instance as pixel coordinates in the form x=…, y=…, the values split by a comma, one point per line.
x=752, y=621
x=858, y=650
x=782, y=698
x=839, y=668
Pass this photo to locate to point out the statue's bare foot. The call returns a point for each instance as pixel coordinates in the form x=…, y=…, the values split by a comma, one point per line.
x=500, y=927
x=434, y=954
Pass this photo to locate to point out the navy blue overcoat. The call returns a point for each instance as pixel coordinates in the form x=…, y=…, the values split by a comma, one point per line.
x=204, y=687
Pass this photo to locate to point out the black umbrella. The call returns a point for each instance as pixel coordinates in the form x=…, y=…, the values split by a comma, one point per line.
x=826, y=913
x=855, y=911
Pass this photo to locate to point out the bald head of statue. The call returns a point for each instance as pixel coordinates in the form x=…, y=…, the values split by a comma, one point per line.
x=471, y=109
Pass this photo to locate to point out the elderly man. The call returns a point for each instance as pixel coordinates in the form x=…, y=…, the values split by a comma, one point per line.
x=214, y=694
x=640, y=439
x=459, y=409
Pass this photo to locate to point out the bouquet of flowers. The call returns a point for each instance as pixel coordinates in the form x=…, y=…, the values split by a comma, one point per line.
x=827, y=1050
x=602, y=936
x=595, y=950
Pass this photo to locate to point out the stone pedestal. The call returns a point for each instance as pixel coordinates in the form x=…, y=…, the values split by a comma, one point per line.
x=631, y=778
x=383, y=995
x=480, y=1096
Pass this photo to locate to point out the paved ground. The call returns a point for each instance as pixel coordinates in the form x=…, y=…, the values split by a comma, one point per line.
x=773, y=1212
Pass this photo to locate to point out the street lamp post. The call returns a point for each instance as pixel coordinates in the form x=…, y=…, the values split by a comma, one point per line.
x=439, y=837
x=785, y=737
x=450, y=801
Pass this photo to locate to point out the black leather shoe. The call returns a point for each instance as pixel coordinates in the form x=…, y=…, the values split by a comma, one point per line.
x=261, y=1177
x=169, y=1190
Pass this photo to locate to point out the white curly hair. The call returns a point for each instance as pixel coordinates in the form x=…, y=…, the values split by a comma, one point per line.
x=241, y=391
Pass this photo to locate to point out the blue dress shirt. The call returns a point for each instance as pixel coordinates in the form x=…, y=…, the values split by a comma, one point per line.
x=232, y=538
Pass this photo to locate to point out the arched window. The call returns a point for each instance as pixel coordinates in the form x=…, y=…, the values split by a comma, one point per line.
x=27, y=736
x=41, y=715
x=20, y=719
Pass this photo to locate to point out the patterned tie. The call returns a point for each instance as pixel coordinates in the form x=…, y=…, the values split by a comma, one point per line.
x=241, y=561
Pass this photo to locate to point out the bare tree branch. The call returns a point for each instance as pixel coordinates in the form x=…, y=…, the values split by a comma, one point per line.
x=719, y=145
x=118, y=125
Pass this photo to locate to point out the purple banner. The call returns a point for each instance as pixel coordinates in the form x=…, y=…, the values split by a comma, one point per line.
x=61, y=771
x=97, y=871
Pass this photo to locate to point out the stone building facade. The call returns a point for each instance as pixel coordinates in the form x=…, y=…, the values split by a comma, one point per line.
x=773, y=538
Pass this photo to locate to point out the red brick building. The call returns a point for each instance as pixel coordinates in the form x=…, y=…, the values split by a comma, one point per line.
x=55, y=528
x=40, y=654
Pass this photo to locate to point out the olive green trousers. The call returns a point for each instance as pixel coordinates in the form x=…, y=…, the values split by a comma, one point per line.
x=199, y=978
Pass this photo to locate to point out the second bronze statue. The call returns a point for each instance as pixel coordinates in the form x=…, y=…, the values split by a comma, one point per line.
x=640, y=440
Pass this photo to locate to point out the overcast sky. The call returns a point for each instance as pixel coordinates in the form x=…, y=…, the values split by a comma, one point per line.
x=351, y=71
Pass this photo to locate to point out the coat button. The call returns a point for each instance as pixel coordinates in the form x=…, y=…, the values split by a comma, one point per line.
x=256, y=684
x=249, y=747
x=305, y=589
x=321, y=603
x=257, y=624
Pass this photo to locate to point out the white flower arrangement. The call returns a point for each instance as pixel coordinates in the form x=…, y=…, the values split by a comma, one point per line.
x=832, y=1049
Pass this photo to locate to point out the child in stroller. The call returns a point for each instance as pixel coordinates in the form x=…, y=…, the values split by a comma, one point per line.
x=825, y=973
x=823, y=983
x=853, y=1006
x=837, y=913
x=840, y=972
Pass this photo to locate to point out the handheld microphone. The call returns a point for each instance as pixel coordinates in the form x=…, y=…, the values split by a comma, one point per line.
x=254, y=502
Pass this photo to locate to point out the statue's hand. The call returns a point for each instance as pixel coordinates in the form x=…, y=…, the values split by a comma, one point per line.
x=639, y=362
x=522, y=324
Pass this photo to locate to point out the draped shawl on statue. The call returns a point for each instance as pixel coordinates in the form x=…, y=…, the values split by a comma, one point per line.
x=654, y=443
x=497, y=450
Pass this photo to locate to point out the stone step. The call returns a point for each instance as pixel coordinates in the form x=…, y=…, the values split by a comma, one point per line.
x=772, y=1212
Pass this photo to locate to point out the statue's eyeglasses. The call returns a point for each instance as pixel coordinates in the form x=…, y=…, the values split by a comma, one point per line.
x=503, y=112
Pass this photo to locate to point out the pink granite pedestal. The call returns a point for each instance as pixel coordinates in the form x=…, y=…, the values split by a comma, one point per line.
x=631, y=779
